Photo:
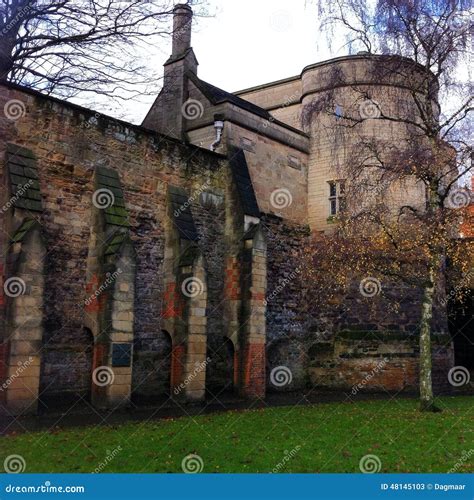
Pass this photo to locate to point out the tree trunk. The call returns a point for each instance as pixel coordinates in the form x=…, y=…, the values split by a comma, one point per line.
x=7, y=43
x=426, y=385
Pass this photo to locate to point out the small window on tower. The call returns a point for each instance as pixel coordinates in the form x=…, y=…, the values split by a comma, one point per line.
x=337, y=201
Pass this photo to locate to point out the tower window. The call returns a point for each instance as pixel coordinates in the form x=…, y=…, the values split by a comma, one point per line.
x=337, y=202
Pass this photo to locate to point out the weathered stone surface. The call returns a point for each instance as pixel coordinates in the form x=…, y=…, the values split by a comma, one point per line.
x=253, y=314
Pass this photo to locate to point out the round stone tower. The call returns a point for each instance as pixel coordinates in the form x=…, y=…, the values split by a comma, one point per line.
x=375, y=91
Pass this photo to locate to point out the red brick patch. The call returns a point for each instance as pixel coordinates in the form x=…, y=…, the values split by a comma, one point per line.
x=258, y=296
x=177, y=365
x=99, y=359
x=94, y=303
x=173, y=304
x=253, y=376
x=232, y=280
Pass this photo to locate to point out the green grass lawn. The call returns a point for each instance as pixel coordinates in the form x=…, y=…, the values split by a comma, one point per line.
x=330, y=437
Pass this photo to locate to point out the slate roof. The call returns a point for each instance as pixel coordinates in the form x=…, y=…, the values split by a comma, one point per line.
x=23, y=175
x=181, y=213
x=217, y=96
x=115, y=242
x=243, y=181
x=189, y=255
x=115, y=214
x=26, y=226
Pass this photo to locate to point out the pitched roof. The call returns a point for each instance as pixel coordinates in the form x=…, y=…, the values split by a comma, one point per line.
x=217, y=96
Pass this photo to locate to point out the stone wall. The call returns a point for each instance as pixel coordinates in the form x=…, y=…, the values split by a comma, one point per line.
x=373, y=341
x=254, y=314
x=357, y=361
x=70, y=143
x=287, y=321
x=282, y=99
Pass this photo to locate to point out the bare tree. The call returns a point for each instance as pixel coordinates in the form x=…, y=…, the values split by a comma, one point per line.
x=425, y=45
x=68, y=47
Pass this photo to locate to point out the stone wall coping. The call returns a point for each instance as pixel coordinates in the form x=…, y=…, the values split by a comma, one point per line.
x=267, y=85
x=326, y=62
x=109, y=119
x=362, y=57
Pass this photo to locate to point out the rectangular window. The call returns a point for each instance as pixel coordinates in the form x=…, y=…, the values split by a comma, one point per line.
x=337, y=201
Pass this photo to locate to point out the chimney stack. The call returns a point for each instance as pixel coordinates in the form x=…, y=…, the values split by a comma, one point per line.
x=166, y=115
x=182, y=20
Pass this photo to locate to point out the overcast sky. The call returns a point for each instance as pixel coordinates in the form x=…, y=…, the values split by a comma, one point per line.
x=249, y=42
x=243, y=43
x=256, y=41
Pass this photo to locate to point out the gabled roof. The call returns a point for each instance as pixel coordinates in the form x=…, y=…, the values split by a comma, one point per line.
x=217, y=96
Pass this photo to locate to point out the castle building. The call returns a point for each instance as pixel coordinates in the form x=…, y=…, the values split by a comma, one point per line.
x=161, y=260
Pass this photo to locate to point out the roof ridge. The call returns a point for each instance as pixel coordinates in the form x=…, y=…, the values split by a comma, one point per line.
x=217, y=95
